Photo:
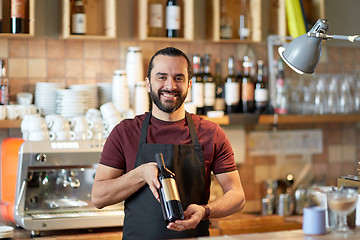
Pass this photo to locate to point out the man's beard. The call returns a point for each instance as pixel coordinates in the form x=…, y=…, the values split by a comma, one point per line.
x=168, y=106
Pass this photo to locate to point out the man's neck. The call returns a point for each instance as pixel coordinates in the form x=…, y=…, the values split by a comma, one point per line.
x=169, y=117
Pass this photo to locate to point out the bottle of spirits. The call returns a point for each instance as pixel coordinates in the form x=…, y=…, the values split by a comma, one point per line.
x=156, y=18
x=244, y=21
x=197, y=89
x=232, y=88
x=281, y=98
x=78, y=18
x=226, y=26
x=169, y=195
x=247, y=88
x=17, y=15
x=219, y=87
x=261, y=90
x=209, y=86
x=5, y=98
x=173, y=18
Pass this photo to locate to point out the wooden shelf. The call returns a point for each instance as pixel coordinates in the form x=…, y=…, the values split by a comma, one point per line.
x=10, y=123
x=234, y=119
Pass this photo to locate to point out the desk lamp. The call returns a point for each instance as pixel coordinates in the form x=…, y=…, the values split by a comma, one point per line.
x=303, y=53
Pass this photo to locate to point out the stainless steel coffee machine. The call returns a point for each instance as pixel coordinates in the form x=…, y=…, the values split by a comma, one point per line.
x=53, y=187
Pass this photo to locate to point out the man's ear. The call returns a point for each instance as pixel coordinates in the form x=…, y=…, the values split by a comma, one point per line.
x=190, y=83
x=147, y=80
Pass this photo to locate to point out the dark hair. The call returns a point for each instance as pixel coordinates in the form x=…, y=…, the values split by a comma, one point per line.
x=169, y=51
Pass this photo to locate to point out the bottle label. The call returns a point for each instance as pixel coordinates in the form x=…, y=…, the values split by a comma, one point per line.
x=17, y=9
x=219, y=104
x=198, y=94
x=232, y=93
x=156, y=16
x=261, y=95
x=173, y=17
x=78, y=23
x=170, y=189
x=209, y=94
x=247, y=93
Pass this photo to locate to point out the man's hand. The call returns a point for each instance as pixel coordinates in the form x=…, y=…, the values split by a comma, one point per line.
x=193, y=215
x=150, y=173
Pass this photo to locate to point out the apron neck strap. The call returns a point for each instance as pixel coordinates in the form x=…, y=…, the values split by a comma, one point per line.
x=190, y=122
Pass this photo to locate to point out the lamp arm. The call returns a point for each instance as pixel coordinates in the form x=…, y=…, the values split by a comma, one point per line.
x=336, y=37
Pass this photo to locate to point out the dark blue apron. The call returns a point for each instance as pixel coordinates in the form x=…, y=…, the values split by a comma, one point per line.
x=143, y=214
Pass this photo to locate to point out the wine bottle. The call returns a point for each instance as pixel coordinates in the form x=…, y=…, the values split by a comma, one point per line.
x=17, y=16
x=173, y=18
x=244, y=21
x=247, y=88
x=261, y=90
x=78, y=18
x=4, y=88
x=156, y=18
x=232, y=89
x=209, y=86
x=219, y=94
x=197, y=89
x=169, y=195
x=1, y=16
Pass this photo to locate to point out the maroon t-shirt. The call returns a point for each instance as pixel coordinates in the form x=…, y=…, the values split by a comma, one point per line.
x=121, y=146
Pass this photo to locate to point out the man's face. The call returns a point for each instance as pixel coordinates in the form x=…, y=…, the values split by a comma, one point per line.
x=169, y=83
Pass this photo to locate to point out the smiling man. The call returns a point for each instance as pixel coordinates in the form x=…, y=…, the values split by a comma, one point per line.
x=192, y=147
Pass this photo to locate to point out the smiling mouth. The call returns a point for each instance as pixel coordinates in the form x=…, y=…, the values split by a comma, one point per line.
x=169, y=96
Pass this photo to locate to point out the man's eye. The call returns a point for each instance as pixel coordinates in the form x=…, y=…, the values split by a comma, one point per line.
x=162, y=77
x=179, y=79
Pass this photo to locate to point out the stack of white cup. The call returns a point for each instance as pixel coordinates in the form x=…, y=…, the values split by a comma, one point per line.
x=97, y=126
x=110, y=115
x=60, y=126
x=134, y=70
x=141, y=103
x=120, y=91
x=81, y=128
x=34, y=128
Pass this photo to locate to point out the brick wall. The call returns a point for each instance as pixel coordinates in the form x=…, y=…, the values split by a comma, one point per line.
x=92, y=61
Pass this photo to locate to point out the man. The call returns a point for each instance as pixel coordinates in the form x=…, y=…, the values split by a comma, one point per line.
x=192, y=148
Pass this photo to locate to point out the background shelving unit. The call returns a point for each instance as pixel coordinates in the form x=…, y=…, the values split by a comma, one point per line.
x=187, y=22
x=100, y=19
x=29, y=20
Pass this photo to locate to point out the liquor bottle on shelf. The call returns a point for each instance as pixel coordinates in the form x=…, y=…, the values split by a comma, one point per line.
x=1, y=16
x=169, y=195
x=78, y=18
x=247, y=88
x=226, y=26
x=156, y=18
x=4, y=89
x=219, y=86
x=17, y=15
x=197, y=89
x=173, y=18
x=232, y=89
x=244, y=21
x=261, y=90
x=281, y=97
x=209, y=86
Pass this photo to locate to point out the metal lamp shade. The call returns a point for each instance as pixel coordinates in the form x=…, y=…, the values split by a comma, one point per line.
x=302, y=54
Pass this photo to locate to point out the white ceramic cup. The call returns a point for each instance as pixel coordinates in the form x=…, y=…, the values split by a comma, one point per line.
x=81, y=135
x=25, y=110
x=13, y=112
x=108, y=109
x=115, y=119
x=41, y=136
x=63, y=135
x=314, y=221
x=24, y=98
x=93, y=114
x=33, y=123
x=3, y=112
x=79, y=124
x=57, y=123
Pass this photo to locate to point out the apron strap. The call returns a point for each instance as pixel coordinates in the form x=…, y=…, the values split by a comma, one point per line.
x=190, y=122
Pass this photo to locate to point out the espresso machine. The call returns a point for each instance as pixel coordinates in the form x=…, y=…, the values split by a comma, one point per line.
x=53, y=187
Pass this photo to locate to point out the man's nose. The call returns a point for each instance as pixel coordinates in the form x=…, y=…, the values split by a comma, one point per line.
x=170, y=83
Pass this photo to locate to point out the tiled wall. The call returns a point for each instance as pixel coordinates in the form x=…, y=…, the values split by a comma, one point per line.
x=91, y=61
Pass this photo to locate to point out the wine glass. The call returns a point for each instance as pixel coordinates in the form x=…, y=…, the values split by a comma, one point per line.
x=342, y=202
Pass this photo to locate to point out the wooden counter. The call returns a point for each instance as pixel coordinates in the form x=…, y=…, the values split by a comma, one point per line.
x=235, y=224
